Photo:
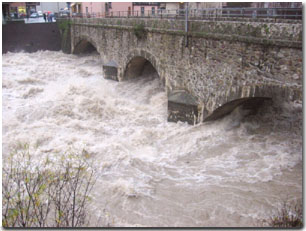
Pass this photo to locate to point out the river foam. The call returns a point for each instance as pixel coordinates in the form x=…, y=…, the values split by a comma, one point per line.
x=152, y=173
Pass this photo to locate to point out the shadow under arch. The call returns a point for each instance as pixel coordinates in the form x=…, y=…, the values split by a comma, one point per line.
x=249, y=103
x=250, y=97
x=85, y=45
x=140, y=62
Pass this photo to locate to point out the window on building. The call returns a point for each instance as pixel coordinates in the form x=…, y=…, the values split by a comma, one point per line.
x=14, y=9
x=153, y=10
x=182, y=5
x=86, y=10
x=106, y=7
x=110, y=5
x=142, y=11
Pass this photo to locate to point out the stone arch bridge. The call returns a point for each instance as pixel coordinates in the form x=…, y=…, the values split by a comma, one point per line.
x=209, y=70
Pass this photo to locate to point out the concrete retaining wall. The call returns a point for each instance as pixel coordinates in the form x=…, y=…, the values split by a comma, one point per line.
x=18, y=36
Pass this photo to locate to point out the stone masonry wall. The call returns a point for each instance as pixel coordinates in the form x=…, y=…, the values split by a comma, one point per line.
x=224, y=60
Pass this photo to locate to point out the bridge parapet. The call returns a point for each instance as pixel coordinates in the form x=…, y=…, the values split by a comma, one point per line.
x=265, y=31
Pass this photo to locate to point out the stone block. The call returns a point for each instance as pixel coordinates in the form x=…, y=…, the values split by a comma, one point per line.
x=111, y=70
x=182, y=106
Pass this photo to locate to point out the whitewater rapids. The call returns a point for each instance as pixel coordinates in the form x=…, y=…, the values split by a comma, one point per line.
x=232, y=172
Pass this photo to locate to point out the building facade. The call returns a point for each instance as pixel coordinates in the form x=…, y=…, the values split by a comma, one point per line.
x=102, y=9
x=146, y=8
x=113, y=8
x=53, y=7
x=76, y=8
x=262, y=4
x=93, y=8
x=18, y=9
x=204, y=5
x=15, y=10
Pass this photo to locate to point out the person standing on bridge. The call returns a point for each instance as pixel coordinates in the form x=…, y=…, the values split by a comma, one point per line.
x=45, y=17
x=50, y=17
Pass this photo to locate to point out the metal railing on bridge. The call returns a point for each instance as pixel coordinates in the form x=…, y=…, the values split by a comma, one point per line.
x=201, y=14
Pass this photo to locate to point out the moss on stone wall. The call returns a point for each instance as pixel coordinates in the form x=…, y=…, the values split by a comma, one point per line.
x=139, y=31
x=119, y=22
x=64, y=27
x=63, y=24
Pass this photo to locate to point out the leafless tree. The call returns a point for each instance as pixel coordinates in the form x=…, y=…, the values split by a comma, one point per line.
x=46, y=193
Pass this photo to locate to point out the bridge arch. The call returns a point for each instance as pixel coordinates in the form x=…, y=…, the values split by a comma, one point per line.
x=135, y=63
x=84, y=44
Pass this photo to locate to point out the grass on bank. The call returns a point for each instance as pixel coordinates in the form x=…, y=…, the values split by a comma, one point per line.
x=289, y=215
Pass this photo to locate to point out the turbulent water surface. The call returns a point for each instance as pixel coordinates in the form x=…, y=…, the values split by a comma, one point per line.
x=232, y=172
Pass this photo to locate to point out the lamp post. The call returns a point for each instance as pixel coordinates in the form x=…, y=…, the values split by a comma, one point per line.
x=186, y=24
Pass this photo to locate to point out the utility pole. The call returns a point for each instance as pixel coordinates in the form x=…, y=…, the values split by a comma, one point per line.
x=186, y=24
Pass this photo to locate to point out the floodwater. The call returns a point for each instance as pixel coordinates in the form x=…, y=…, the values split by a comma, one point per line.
x=232, y=172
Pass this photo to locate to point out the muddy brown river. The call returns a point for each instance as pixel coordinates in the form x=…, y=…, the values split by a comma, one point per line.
x=235, y=171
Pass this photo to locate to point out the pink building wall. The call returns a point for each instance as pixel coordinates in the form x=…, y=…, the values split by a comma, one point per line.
x=17, y=4
x=121, y=6
x=93, y=7
x=146, y=9
x=98, y=8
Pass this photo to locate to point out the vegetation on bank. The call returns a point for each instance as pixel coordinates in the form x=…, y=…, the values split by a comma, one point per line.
x=289, y=215
x=41, y=191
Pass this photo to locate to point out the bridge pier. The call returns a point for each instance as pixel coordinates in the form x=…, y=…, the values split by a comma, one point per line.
x=182, y=106
x=110, y=70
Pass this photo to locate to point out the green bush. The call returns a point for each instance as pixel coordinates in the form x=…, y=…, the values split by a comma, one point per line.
x=139, y=31
x=42, y=192
x=63, y=24
x=288, y=216
x=64, y=28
